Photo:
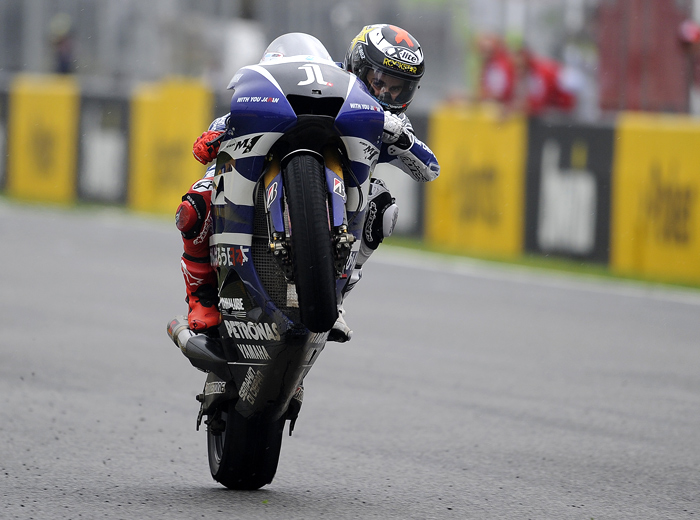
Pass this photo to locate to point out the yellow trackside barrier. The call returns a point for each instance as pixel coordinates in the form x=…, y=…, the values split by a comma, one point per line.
x=42, y=135
x=477, y=203
x=166, y=118
x=655, y=230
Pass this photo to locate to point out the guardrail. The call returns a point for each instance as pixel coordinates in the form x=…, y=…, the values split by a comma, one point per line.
x=65, y=145
x=623, y=193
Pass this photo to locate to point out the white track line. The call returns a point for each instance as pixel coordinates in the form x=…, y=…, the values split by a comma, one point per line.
x=437, y=263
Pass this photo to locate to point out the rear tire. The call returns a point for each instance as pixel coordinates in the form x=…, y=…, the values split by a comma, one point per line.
x=245, y=455
x=314, y=271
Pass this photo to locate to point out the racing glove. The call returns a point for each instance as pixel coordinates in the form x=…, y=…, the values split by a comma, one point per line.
x=202, y=150
x=395, y=132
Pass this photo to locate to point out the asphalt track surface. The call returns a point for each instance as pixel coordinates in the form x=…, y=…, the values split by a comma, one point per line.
x=469, y=390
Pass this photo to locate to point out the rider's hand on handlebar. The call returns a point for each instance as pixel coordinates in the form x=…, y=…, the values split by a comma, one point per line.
x=202, y=150
x=396, y=134
x=393, y=128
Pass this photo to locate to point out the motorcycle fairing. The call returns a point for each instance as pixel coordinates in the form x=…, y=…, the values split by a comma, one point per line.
x=263, y=113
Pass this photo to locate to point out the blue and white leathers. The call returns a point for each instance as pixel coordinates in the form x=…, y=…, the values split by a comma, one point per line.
x=418, y=161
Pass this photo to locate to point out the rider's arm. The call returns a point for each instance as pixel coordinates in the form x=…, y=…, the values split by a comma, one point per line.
x=219, y=124
x=410, y=154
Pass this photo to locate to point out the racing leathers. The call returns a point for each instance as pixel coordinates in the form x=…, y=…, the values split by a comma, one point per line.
x=400, y=148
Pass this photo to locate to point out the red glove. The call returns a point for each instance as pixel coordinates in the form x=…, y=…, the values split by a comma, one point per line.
x=204, y=152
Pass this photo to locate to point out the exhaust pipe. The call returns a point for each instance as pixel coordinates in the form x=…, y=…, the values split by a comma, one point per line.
x=205, y=353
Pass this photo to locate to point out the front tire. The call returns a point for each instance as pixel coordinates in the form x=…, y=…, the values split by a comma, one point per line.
x=245, y=454
x=312, y=249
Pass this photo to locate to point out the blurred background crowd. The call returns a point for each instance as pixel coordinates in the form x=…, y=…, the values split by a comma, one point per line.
x=582, y=57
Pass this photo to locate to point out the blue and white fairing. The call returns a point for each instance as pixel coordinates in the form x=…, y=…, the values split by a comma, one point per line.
x=269, y=101
x=296, y=98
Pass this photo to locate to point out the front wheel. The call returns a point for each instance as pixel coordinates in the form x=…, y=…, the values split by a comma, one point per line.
x=312, y=249
x=243, y=452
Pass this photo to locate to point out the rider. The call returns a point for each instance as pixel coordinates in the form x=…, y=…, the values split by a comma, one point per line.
x=389, y=61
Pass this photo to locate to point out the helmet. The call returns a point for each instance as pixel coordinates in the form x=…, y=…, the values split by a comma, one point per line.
x=389, y=61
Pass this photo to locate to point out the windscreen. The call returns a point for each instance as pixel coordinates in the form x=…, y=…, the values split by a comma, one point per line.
x=295, y=44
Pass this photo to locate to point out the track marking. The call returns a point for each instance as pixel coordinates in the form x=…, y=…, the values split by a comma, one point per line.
x=443, y=264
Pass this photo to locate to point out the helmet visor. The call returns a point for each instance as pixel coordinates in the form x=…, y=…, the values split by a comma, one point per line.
x=394, y=93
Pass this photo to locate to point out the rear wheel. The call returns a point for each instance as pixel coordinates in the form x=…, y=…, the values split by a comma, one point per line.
x=243, y=453
x=312, y=249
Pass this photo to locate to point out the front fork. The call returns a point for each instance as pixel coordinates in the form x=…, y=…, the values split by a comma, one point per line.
x=278, y=222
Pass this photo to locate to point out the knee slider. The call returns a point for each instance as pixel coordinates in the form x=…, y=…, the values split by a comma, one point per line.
x=191, y=215
x=382, y=213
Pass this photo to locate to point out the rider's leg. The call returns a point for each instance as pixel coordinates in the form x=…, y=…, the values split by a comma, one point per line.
x=193, y=219
x=380, y=220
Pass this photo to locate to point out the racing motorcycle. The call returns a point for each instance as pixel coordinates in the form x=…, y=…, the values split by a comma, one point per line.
x=288, y=202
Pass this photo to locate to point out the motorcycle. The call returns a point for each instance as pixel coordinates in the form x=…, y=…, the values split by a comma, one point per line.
x=288, y=203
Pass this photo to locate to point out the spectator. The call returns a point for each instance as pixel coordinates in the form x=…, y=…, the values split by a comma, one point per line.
x=548, y=85
x=498, y=72
x=61, y=32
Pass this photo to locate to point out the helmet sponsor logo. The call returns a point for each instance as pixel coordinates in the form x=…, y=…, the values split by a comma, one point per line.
x=402, y=35
x=398, y=65
x=403, y=54
x=362, y=37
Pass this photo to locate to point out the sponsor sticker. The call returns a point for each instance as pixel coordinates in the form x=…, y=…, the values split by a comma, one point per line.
x=215, y=387
x=403, y=54
x=339, y=187
x=271, y=194
x=404, y=67
x=203, y=185
x=224, y=256
x=251, y=385
x=232, y=304
x=256, y=352
x=257, y=99
x=248, y=330
x=362, y=106
x=370, y=151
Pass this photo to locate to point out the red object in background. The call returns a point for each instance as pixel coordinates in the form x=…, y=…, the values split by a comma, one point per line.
x=545, y=88
x=689, y=32
x=641, y=65
x=498, y=74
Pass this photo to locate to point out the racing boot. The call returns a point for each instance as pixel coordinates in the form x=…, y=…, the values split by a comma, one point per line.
x=193, y=219
x=340, y=331
x=202, y=295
